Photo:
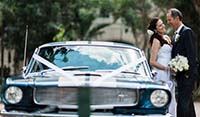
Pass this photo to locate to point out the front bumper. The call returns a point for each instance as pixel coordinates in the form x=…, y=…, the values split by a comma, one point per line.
x=4, y=113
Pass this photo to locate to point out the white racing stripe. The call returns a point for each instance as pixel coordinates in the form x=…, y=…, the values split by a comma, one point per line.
x=57, y=69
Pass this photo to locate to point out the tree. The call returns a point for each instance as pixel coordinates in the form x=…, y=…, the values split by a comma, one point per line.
x=18, y=14
x=47, y=21
x=83, y=13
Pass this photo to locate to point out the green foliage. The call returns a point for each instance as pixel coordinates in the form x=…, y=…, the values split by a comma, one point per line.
x=60, y=36
x=1, y=15
x=47, y=21
x=64, y=20
x=18, y=14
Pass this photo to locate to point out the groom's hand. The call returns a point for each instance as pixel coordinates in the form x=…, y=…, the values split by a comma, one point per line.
x=173, y=72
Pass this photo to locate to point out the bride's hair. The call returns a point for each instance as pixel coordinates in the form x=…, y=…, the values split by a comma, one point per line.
x=151, y=30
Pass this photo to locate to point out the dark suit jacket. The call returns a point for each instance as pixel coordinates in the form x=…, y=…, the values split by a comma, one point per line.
x=185, y=46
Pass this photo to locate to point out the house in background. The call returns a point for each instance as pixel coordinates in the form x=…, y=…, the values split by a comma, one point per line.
x=117, y=31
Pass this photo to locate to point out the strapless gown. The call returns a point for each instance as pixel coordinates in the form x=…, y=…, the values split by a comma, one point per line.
x=163, y=57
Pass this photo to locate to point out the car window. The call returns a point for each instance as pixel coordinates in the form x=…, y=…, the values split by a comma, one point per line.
x=93, y=57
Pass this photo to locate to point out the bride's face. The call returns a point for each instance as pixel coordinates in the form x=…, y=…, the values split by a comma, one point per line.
x=160, y=27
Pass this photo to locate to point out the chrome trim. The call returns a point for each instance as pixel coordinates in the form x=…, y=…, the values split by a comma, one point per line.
x=4, y=113
x=127, y=83
x=92, y=107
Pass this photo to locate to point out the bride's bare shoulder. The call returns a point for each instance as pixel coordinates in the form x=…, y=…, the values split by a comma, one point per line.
x=167, y=38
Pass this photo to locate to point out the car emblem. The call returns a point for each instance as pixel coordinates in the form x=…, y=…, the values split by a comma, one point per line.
x=121, y=96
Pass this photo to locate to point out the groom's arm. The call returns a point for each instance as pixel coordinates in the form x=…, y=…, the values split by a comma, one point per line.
x=189, y=39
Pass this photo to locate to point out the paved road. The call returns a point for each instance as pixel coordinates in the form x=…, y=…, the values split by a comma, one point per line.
x=197, y=108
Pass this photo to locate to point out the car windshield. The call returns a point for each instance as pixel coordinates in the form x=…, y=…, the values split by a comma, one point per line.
x=90, y=58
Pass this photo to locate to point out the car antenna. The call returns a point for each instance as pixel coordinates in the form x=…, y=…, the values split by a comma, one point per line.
x=25, y=46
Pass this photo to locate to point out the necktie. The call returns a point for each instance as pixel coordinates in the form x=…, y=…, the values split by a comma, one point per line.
x=174, y=38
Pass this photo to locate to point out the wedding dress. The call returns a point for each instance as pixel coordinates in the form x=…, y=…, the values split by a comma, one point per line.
x=163, y=57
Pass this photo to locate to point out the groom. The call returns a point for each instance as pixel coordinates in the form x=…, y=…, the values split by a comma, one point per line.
x=184, y=44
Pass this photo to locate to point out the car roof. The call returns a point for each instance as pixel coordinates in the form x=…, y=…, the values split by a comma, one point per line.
x=97, y=43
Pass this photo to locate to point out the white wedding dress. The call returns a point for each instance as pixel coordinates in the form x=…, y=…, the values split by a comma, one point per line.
x=163, y=57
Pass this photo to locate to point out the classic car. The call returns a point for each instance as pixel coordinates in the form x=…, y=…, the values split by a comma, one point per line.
x=112, y=79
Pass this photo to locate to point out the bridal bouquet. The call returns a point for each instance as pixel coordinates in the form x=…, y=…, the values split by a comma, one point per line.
x=179, y=64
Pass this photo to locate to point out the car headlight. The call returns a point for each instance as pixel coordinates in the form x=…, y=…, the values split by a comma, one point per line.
x=13, y=94
x=159, y=98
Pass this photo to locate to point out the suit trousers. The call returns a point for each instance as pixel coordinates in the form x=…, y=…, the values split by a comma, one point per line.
x=185, y=105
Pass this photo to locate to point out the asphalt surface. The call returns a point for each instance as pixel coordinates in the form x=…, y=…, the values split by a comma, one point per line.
x=197, y=108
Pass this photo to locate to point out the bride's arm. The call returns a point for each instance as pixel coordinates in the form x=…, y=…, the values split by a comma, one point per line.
x=154, y=53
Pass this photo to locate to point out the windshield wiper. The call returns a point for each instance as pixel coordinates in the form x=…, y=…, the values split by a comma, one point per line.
x=87, y=74
x=130, y=72
x=75, y=67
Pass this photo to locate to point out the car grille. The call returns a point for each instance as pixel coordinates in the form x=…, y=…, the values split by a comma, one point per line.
x=98, y=96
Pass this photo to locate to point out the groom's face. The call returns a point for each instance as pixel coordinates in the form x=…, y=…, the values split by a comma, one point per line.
x=171, y=21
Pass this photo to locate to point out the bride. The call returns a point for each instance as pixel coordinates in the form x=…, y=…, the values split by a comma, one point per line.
x=160, y=56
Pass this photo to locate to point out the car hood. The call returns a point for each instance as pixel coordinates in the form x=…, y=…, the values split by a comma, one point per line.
x=88, y=79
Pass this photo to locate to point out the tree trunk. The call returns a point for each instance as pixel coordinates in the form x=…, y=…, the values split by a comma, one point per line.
x=2, y=56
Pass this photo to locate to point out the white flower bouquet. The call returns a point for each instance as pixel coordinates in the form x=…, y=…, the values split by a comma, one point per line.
x=179, y=64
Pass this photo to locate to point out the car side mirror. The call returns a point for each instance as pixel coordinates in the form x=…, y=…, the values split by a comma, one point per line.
x=23, y=70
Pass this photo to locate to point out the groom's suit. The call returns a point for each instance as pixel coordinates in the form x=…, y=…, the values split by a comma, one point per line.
x=185, y=46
